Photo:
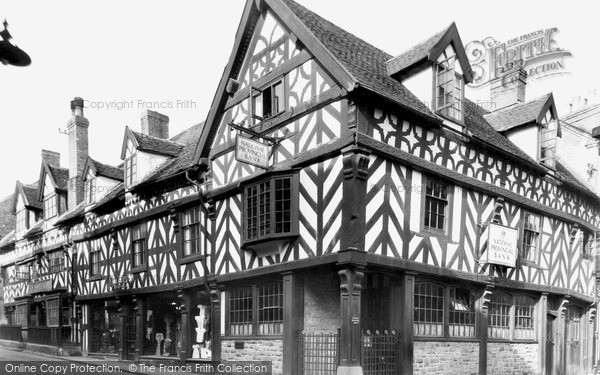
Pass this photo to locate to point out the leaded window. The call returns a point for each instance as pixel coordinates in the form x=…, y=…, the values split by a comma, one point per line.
x=436, y=204
x=138, y=245
x=52, y=312
x=95, y=261
x=50, y=207
x=461, y=314
x=57, y=261
x=531, y=235
x=270, y=309
x=240, y=311
x=191, y=231
x=428, y=309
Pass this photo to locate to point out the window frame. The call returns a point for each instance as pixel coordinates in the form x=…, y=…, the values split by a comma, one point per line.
x=130, y=169
x=52, y=312
x=549, y=125
x=523, y=233
x=185, y=225
x=90, y=190
x=446, y=109
x=21, y=220
x=446, y=328
x=512, y=317
x=56, y=257
x=447, y=209
x=142, y=242
x=293, y=211
x=256, y=93
x=51, y=206
x=254, y=312
x=95, y=265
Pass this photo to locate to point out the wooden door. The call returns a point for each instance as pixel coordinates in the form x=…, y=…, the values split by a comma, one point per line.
x=550, y=337
x=573, y=341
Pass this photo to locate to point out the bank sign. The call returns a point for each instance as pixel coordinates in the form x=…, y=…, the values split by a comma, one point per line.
x=252, y=152
x=538, y=51
x=502, y=245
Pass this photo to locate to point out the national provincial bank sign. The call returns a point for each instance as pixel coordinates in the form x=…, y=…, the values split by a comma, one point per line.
x=502, y=245
x=252, y=152
x=538, y=51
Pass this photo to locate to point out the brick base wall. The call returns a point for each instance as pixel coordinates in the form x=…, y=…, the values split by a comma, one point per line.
x=512, y=358
x=446, y=358
x=255, y=350
x=322, y=303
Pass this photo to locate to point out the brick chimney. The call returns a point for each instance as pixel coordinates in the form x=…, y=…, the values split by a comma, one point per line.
x=155, y=124
x=77, y=127
x=509, y=87
x=51, y=158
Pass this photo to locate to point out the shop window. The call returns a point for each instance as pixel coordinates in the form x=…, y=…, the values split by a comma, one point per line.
x=57, y=261
x=131, y=169
x=449, y=86
x=21, y=223
x=436, y=204
x=256, y=310
x=95, y=261
x=511, y=317
x=433, y=316
x=191, y=231
x=429, y=309
x=138, y=245
x=104, y=333
x=21, y=315
x=531, y=237
x=270, y=209
x=52, y=312
x=50, y=206
x=268, y=101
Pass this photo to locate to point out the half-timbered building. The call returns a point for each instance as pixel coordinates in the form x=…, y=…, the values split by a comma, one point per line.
x=340, y=211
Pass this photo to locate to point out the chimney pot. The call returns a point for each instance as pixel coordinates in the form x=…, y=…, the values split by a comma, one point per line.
x=77, y=106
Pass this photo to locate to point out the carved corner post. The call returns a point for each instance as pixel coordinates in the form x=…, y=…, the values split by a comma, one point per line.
x=560, y=348
x=185, y=328
x=138, y=308
x=293, y=319
x=542, y=319
x=211, y=209
x=482, y=315
x=122, y=328
x=407, y=329
x=355, y=169
x=350, y=340
x=215, y=319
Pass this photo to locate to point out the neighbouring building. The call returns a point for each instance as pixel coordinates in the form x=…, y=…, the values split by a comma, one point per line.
x=340, y=211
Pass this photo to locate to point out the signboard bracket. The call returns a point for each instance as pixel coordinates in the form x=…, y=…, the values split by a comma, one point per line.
x=273, y=141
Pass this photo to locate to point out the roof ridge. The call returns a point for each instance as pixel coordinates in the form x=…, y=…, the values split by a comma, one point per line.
x=155, y=138
x=423, y=41
x=517, y=105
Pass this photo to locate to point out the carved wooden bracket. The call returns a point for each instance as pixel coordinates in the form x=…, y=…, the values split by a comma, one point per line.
x=498, y=207
x=351, y=281
x=215, y=293
x=182, y=300
x=573, y=234
x=486, y=297
x=356, y=164
x=562, y=308
x=211, y=209
x=592, y=314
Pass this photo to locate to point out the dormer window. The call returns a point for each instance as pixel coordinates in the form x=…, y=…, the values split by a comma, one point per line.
x=268, y=102
x=50, y=206
x=131, y=169
x=548, y=133
x=90, y=190
x=21, y=220
x=449, y=85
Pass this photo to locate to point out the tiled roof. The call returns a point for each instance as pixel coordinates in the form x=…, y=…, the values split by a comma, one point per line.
x=585, y=119
x=156, y=145
x=109, y=171
x=116, y=191
x=7, y=239
x=183, y=161
x=36, y=229
x=362, y=60
x=72, y=214
x=568, y=177
x=415, y=53
x=517, y=114
x=476, y=123
x=31, y=193
x=7, y=219
x=60, y=175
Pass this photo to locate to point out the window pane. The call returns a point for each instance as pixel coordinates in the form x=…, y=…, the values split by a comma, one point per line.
x=461, y=312
x=428, y=309
x=499, y=316
x=240, y=311
x=524, y=328
x=270, y=309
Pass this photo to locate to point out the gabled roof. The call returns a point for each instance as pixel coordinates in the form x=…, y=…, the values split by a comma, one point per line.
x=520, y=114
x=7, y=217
x=58, y=176
x=476, y=123
x=101, y=169
x=71, y=214
x=148, y=143
x=183, y=161
x=426, y=52
x=29, y=193
x=351, y=61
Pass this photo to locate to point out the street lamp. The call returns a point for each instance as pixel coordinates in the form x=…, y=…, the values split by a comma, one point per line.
x=9, y=53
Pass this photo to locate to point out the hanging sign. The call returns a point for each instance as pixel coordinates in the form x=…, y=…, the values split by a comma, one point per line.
x=502, y=245
x=252, y=152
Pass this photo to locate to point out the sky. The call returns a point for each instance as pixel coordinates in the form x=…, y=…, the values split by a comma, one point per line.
x=124, y=57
